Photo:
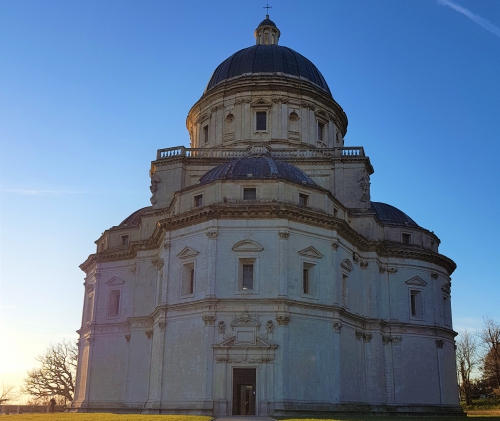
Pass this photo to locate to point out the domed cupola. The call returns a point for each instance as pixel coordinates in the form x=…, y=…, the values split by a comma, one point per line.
x=267, y=32
x=258, y=167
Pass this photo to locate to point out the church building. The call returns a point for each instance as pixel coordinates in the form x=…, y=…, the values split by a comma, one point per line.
x=262, y=279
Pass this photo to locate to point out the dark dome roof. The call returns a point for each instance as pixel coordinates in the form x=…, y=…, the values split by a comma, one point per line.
x=388, y=214
x=261, y=168
x=267, y=22
x=270, y=58
x=135, y=218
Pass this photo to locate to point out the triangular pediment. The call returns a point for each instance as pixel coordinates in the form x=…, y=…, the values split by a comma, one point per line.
x=247, y=245
x=245, y=321
x=115, y=281
x=416, y=280
x=446, y=287
x=311, y=252
x=187, y=252
x=346, y=264
x=261, y=102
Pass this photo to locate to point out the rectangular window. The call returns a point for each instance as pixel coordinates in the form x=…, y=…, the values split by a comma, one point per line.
x=89, y=310
x=307, y=275
x=247, y=278
x=321, y=130
x=303, y=199
x=205, y=134
x=198, y=201
x=335, y=213
x=261, y=117
x=406, y=238
x=446, y=312
x=187, y=279
x=416, y=304
x=249, y=194
x=432, y=245
x=345, y=291
x=124, y=240
x=114, y=303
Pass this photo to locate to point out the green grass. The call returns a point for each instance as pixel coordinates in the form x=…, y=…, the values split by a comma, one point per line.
x=392, y=418
x=60, y=416
x=480, y=404
x=64, y=416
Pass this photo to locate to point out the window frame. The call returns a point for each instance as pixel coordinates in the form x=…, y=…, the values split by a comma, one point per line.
x=312, y=269
x=249, y=188
x=320, y=131
x=416, y=303
x=125, y=237
x=265, y=113
x=406, y=238
x=446, y=311
x=197, y=197
x=114, y=313
x=188, y=277
x=305, y=197
x=244, y=260
x=205, y=133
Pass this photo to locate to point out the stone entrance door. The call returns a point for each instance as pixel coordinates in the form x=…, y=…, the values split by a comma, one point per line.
x=244, y=391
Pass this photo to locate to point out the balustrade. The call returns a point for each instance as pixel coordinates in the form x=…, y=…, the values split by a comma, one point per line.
x=284, y=153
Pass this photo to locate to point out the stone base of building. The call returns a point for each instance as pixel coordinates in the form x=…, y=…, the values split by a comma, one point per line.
x=290, y=409
x=281, y=409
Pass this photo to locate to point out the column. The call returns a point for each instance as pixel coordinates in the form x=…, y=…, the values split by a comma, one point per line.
x=283, y=262
x=212, y=234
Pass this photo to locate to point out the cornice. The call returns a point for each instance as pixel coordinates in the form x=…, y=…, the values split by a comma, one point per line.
x=272, y=210
x=291, y=307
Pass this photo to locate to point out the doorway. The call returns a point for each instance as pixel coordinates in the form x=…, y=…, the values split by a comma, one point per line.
x=244, y=391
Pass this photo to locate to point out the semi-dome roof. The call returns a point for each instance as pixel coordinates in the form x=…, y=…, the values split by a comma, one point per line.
x=270, y=58
x=135, y=218
x=388, y=214
x=257, y=168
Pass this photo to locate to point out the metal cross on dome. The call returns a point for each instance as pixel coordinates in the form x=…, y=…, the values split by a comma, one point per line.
x=267, y=7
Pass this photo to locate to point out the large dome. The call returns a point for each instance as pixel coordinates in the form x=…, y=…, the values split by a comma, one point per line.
x=257, y=168
x=270, y=58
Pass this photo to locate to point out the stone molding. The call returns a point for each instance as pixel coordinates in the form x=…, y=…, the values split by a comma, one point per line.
x=416, y=280
x=337, y=327
x=209, y=319
x=284, y=234
x=247, y=246
x=310, y=252
x=212, y=234
x=187, y=253
x=283, y=320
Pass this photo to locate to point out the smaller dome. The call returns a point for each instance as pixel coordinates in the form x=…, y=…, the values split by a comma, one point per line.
x=388, y=214
x=257, y=168
x=267, y=22
x=135, y=218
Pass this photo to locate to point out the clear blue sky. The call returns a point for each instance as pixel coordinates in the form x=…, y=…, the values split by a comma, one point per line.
x=89, y=90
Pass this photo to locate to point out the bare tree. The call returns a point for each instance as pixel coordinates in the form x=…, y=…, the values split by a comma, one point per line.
x=56, y=376
x=467, y=359
x=490, y=338
x=7, y=393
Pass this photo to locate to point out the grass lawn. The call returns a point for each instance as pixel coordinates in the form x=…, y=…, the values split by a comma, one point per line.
x=377, y=418
x=59, y=416
x=64, y=416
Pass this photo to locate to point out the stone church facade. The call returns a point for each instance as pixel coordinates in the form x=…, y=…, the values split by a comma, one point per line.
x=263, y=280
